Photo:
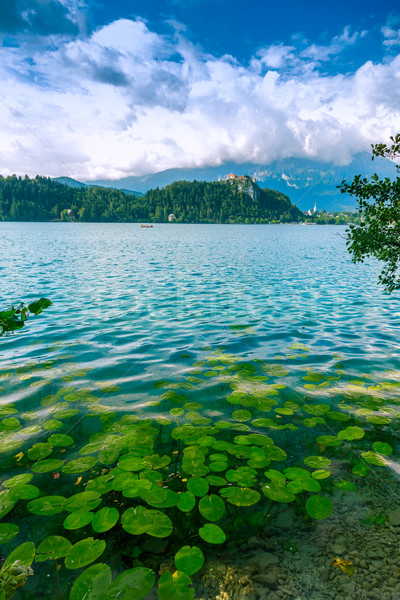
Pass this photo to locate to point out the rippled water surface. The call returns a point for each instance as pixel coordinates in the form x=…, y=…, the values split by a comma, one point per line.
x=144, y=320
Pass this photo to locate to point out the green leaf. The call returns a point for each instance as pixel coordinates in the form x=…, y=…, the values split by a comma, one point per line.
x=18, y=479
x=189, y=559
x=186, y=501
x=239, y=496
x=198, y=486
x=140, y=520
x=76, y=520
x=319, y=507
x=212, y=508
x=329, y=440
x=52, y=547
x=8, y=531
x=345, y=485
x=84, y=552
x=83, y=501
x=133, y=584
x=351, y=433
x=25, y=553
x=92, y=584
x=47, y=505
x=44, y=466
x=212, y=534
x=175, y=586
x=374, y=459
x=317, y=462
x=39, y=451
x=382, y=448
x=24, y=492
x=60, y=439
x=79, y=465
x=105, y=519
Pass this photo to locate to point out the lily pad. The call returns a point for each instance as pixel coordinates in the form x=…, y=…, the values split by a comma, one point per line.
x=212, y=534
x=47, y=505
x=8, y=531
x=212, y=507
x=175, y=586
x=133, y=584
x=52, y=547
x=76, y=520
x=84, y=552
x=189, y=559
x=105, y=519
x=92, y=584
x=24, y=553
x=319, y=507
x=141, y=520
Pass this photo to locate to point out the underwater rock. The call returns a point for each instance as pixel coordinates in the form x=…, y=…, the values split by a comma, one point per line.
x=268, y=579
x=393, y=515
x=264, y=560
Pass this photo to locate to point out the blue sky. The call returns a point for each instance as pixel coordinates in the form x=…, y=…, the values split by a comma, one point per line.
x=95, y=89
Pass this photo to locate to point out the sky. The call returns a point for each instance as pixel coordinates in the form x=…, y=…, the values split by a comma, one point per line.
x=96, y=89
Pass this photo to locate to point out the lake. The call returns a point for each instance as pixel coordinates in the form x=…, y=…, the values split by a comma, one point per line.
x=182, y=341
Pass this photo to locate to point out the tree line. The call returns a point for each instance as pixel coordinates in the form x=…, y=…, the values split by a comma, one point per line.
x=45, y=199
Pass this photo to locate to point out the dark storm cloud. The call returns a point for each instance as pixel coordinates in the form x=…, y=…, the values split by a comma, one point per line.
x=41, y=17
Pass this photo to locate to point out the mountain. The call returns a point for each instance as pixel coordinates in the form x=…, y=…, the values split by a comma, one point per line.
x=305, y=181
x=78, y=184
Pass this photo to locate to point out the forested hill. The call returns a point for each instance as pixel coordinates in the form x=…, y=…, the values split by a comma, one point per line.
x=44, y=199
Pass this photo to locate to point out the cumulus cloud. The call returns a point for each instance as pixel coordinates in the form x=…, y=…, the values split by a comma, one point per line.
x=126, y=100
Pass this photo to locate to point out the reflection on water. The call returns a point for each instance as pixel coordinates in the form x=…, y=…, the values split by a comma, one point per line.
x=274, y=355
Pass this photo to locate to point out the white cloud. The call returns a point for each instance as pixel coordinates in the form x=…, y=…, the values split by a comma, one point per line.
x=128, y=101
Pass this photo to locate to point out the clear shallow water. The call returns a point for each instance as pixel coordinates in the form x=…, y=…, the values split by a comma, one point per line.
x=135, y=306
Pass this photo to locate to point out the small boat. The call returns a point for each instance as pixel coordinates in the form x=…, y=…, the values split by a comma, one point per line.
x=147, y=226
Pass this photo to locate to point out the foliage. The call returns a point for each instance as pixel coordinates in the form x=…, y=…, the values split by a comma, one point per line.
x=14, y=317
x=378, y=233
x=43, y=199
x=136, y=489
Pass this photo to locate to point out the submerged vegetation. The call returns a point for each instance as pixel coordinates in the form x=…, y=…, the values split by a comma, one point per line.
x=150, y=493
x=14, y=317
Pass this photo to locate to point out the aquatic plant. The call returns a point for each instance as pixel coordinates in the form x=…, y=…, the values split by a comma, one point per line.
x=135, y=490
x=14, y=317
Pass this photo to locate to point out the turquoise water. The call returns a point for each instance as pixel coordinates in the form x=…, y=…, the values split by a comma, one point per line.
x=133, y=307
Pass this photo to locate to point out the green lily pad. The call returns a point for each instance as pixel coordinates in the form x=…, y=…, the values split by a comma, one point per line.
x=25, y=553
x=175, y=586
x=141, y=520
x=79, y=465
x=374, y=459
x=212, y=507
x=319, y=507
x=44, y=466
x=105, y=519
x=84, y=501
x=198, y=486
x=76, y=520
x=40, y=451
x=47, y=505
x=186, y=501
x=92, y=584
x=52, y=547
x=212, y=534
x=347, y=486
x=317, y=462
x=329, y=440
x=60, y=439
x=240, y=496
x=382, y=448
x=84, y=552
x=189, y=559
x=351, y=433
x=24, y=492
x=133, y=584
x=278, y=493
x=18, y=479
x=8, y=531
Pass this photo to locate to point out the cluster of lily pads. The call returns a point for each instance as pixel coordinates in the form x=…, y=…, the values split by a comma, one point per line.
x=107, y=498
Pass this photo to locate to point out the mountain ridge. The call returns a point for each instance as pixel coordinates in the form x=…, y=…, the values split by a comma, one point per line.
x=305, y=181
